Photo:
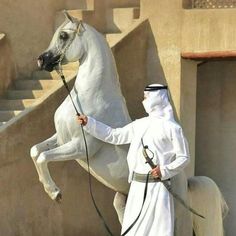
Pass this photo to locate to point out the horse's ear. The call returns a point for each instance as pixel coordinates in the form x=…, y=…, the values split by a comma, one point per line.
x=68, y=16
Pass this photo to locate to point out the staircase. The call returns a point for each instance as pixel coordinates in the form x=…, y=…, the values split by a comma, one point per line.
x=116, y=20
x=25, y=93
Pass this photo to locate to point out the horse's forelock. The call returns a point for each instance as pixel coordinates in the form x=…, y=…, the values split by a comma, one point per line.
x=66, y=21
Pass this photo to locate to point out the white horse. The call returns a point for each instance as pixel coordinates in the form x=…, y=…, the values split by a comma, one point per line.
x=96, y=93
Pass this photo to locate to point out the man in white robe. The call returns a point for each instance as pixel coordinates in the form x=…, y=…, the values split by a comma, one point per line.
x=165, y=139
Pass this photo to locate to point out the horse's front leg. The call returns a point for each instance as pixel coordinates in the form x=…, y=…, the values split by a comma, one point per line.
x=68, y=151
x=35, y=151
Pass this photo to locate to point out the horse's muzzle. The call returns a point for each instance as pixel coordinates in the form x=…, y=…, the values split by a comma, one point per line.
x=47, y=61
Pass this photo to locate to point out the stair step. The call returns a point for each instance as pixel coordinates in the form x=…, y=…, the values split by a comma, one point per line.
x=24, y=94
x=91, y=18
x=88, y=16
x=85, y=15
x=114, y=39
x=68, y=69
x=7, y=115
x=18, y=104
x=44, y=75
x=124, y=3
x=111, y=38
x=71, y=66
x=34, y=84
x=123, y=17
x=87, y=4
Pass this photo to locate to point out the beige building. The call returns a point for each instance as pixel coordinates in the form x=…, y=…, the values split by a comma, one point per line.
x=188, y=44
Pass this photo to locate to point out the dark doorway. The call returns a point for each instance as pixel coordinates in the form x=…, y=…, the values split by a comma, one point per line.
x=216, y=130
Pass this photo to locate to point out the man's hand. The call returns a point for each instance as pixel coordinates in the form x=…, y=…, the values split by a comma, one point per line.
x=156, y=172
x=82, y=119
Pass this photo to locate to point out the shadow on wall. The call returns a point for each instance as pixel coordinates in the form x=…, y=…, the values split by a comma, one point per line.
x=138, y=65
x=7, y=66
x=155, y=72
x=188, y=4
x=71, y=4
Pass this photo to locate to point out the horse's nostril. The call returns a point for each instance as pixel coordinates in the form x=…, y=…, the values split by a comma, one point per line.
x=40, y=61
x=46, y=55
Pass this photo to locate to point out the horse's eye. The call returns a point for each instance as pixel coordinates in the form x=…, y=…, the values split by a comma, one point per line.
x=64, y=35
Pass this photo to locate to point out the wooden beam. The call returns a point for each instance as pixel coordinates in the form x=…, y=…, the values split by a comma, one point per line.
x=199, y=56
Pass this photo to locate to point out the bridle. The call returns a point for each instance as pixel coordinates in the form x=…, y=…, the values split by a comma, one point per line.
x=78, y=31
x=58, y=68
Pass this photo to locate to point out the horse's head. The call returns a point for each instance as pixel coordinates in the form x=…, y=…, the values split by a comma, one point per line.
x=66, y=45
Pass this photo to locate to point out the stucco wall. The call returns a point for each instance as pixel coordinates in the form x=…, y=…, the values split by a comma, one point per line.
x=209, y=30
x=188, y=107
x=164, y=64
x=154, y=57
x=28, y=26
x=205, y=31
x=130, y=55
x=165, y=51
x=7, y=66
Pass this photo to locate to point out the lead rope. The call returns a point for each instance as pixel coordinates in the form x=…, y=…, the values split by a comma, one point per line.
x=60, y=73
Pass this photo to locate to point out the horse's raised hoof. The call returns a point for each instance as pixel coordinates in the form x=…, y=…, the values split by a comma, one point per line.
x=58, y=198
x=34, y=153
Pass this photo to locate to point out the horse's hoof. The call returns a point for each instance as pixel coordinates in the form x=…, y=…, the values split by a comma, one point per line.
x=34, y=153
x=58, y=198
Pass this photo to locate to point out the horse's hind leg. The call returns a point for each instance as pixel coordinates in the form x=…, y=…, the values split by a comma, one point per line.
x=207, y=199
x=35, y=151
x=119, y=205
x=183, y=218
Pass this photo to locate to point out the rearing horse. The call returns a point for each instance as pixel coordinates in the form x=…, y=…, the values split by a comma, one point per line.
x=96, y=93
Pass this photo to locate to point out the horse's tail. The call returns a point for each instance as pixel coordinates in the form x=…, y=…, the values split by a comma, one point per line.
x=206, y=198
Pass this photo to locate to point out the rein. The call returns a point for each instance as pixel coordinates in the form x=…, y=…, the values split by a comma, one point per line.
x=60, y=73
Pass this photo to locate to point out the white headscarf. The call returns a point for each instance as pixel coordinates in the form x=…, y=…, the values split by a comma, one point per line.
x=157, y=103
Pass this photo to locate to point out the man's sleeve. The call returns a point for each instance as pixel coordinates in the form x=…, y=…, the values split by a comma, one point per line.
x=181, y=150
x=107, y=134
